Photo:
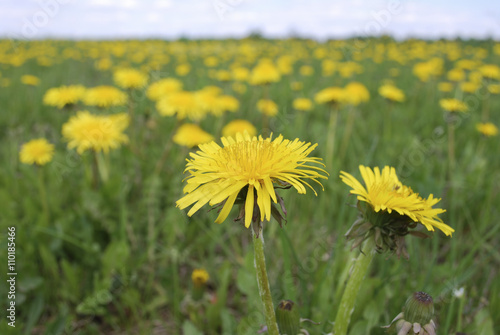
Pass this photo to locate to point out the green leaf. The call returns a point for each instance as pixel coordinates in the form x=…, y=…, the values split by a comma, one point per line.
x=189, y=329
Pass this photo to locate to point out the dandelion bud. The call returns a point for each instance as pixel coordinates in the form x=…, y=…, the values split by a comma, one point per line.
x=199, y=278
x=419, y=308
x=416, y=317
x=287, y=317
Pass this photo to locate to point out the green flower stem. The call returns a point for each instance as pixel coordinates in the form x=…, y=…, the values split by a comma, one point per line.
x=263, y=282
x=347, y=133
x=359, y=271
x=332, y=128
x=102, y=166
x=43, y=195
x=451, y=148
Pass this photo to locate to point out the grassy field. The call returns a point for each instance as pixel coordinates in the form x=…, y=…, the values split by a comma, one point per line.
x=115, y=256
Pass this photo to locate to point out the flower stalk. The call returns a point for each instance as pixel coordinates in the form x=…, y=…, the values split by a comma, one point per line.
x=262, y=280
x=43, y=195
x=332, y=128
x=346, y=307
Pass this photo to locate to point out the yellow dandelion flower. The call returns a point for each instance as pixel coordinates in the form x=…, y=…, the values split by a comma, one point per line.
x=191, y=135
x=162, y=88
x=302, y=104
x=250, y=166
x=267, y=107
x=64, y=95
x=356, y=93
x=456, y=75
x=306, y=70
x=86, y=131
x=182, y=69
x=130, y=78
x=494, y=88
x=238, y=126
x=240, y=73
x=239, y=88
x=296, y=85
x=30, y=80
x=183, y=104
x=469, y=87
x=104, y=96
x=488, y=129
x=330, y=95
x=223, y=75
x=392, y=93
x=491, y=71
x=385, y=193
x=264, y=72
x=453, y=105
x=199, y=277
x=445, y=87
x=228, y=103
x=38, y=151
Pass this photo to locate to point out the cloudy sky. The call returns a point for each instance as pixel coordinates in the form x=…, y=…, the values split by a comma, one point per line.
x=236, y=18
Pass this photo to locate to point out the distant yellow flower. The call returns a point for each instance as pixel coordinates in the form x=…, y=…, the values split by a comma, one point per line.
x=445, y=87
x=466, y=64
x=302, y=104
x=103, y=64
x=86, y=131
x=104, y=97
x=238, y=126
x=487, y=129
x=356, y=93
x=383, y=192
x=162, y=88
x=211, y=61
x=239, y=88
x=264, y=72
x=183, y=69
x=469, y=87
x=130, y=78
x=183, y=104
x=456, y=75
x=491, y=71
x=296, y=85
x=30, y=80
x=331, y=95
x=64, y=95
x=494, y=88
x=306, y=70
x=38, y=151
x=267, y=107
x=250, y=166
x=453, y=105
x=228, y=103
x=223, y=75
x=392, y=93
x=199, y=277
x=240, y=73
x=191, y=135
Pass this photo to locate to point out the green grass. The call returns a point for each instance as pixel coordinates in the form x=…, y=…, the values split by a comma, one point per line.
x=118, y=258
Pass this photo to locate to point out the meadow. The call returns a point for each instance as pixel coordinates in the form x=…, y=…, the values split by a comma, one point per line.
x=102, y=249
